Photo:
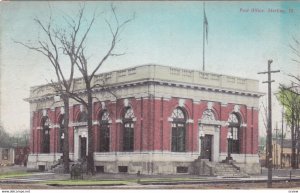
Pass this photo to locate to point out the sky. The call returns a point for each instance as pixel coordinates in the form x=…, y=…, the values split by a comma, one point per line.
x=242, y=36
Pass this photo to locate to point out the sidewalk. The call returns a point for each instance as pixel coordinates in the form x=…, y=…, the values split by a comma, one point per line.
x=278, y=175
x=148, y=179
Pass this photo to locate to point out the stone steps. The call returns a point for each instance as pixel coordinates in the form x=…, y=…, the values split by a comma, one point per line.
x=208, y=168
x=227, y=170
x=59, y=167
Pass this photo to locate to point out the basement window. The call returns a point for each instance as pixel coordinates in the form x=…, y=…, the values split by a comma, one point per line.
x=100, y=169
x=123, y=169
x=42, y=168
x=181, y=169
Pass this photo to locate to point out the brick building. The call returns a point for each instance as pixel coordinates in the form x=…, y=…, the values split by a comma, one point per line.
x=152, y=123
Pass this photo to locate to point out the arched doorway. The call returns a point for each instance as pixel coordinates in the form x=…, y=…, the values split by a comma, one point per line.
x=209, y=126
x=81, y=136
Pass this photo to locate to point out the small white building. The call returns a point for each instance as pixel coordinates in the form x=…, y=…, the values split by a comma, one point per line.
x=7, y=156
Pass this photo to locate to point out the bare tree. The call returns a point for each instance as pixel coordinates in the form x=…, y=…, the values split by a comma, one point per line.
x=67, y=42
x=59, y=43
x=4, y=138
x=88, y=74
x=295, y=48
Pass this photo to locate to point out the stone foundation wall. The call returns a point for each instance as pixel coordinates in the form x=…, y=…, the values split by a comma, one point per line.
x=147, y=168
x=44, y=160
x=249, y=168
x=144, y=162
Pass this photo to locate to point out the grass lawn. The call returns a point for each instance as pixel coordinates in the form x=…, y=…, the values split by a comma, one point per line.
x=168, y=179
x=94, y=182
x=85, y=182
x=13, y=174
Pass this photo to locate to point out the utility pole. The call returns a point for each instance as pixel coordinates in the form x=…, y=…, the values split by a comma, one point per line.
x=269, y=131
x=205, y=34
x=276, y=147
x=281, y=138
x=203, y=67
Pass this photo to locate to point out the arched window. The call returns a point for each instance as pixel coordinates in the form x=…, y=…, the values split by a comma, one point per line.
x=234, y=126
x=178, y=130
x=61, y=134
x=104, y=132
x=45, y=136
x=128, y=131
x=82, y=117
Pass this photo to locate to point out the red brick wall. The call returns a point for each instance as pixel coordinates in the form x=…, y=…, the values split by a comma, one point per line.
x=165, y=141
x=255, y=131
x=225, y=111
x=152, y=130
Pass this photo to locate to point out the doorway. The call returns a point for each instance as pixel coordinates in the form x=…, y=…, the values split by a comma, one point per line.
x=82, y=147
x=207, y=147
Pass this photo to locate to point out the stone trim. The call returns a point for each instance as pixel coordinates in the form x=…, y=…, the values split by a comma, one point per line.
x=197, y=102
x=224, y=104
x=54, y=126
x=167, y=98
x=190, y=121
x=119, y=121
x=77, y=124
x=160, y=82
x=243, y=125
x=211, y=122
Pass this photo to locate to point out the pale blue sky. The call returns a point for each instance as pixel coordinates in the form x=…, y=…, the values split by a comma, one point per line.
x=167, y=33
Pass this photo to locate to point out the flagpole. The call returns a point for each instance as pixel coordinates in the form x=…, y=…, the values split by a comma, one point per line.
x=203, y=67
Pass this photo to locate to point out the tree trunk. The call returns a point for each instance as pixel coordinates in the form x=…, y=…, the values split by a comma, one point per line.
x=90, y=160
x=297, y=147
x=298, y=138
x=66, y=135
x=293, y=157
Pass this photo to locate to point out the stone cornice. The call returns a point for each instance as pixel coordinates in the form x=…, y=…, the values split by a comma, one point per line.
x=158, y=82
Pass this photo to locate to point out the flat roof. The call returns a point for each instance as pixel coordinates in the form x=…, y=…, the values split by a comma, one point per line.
x=161, y=73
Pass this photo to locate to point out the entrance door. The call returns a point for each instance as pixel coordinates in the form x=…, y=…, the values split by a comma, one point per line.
x=82, y=147
x=207, y=146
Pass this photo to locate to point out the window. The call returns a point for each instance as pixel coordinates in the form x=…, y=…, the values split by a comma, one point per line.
x=181, y=169
x=128, y=130
x=61, y=133
x=123, y=169
x=178, y=130
x=42, y=168
x=45, y=136
x=82, y=117
x=234, y=126
x=104, y=132
x=100, y=169
x=5, y=154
